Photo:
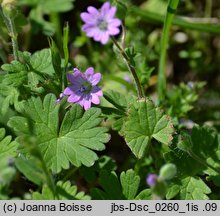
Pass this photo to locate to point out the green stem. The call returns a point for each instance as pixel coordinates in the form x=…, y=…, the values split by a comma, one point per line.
x=35, y=151
x=199, y=24
x=139, y=162
x=66, y=54
x=49, y=177
x=12, y=33
x=194, y=156
x=208, y=8
x=130, y=68
x=164, y=44
x=55, y=19
x=70, y=173
x=14, y=39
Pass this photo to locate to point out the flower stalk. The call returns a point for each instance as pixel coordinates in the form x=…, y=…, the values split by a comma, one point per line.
x=130, y=68
x=8, y=13
x=171, y=9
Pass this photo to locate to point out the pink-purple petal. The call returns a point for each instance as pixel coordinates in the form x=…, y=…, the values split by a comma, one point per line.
x=96, y=90
x=95, y=79
x=81, y=102
x=105, y=8
x=73, y=98
x=83, y=89
x=113, y=31
x=99, y=93
x=87, y=18
x=72, y=77
x=104, y=38
x=93, y=11
x=89, y=72
x=87, y=104
x=115, y=22
x=67, y=91
x=93, y=26
x=111, y=13
x=95, y=99
x=91, y=32
x=98, y=36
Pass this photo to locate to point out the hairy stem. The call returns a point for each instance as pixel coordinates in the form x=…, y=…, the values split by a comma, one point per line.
x=130, y=68
x=70, y=173
x=164, y=44
x=50, y=180
x=12, y=33
x=66, y=54
x=55, y=19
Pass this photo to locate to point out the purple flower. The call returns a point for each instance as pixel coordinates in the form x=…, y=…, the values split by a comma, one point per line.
x=83, y=89
x=151, y=179
x=100, y=24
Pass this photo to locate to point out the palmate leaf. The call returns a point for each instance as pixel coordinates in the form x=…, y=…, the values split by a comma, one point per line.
x=121, y=103
x=42, y=8
x=16, y=73
x=113, y=189
x=41, y=62
x=49, y=6
x=7, y=173
x=118, y=100
x=64, y=190
x=144, y=121
x=74, y=141
x=8, y=150
x=200, y=154
x=19, y=74
x=206, y=145
x=183, y=162
x=32, y=170
x=10, y=96
x=104, y=163
x=130, y=183
x=57, y=5
x=189, y=188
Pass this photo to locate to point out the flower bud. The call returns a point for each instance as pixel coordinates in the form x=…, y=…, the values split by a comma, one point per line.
x=9, y=8
x=7, y=2
x=167, y=172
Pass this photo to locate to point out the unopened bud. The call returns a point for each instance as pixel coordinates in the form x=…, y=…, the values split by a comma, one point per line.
x=9, y=8
x=167, y=172
x=7, y=2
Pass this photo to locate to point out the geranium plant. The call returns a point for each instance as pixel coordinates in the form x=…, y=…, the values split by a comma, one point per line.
x=99, y=102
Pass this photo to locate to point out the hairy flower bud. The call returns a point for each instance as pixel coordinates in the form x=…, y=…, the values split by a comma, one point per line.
x=167, y=172
x=9, y=8
x=8, y=2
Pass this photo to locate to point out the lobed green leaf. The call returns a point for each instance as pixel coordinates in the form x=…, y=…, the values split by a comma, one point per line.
x=74, y=141
x=143, y=123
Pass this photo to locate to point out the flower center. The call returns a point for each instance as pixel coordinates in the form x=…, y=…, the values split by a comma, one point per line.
x=102, y=24
x=85, y=88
